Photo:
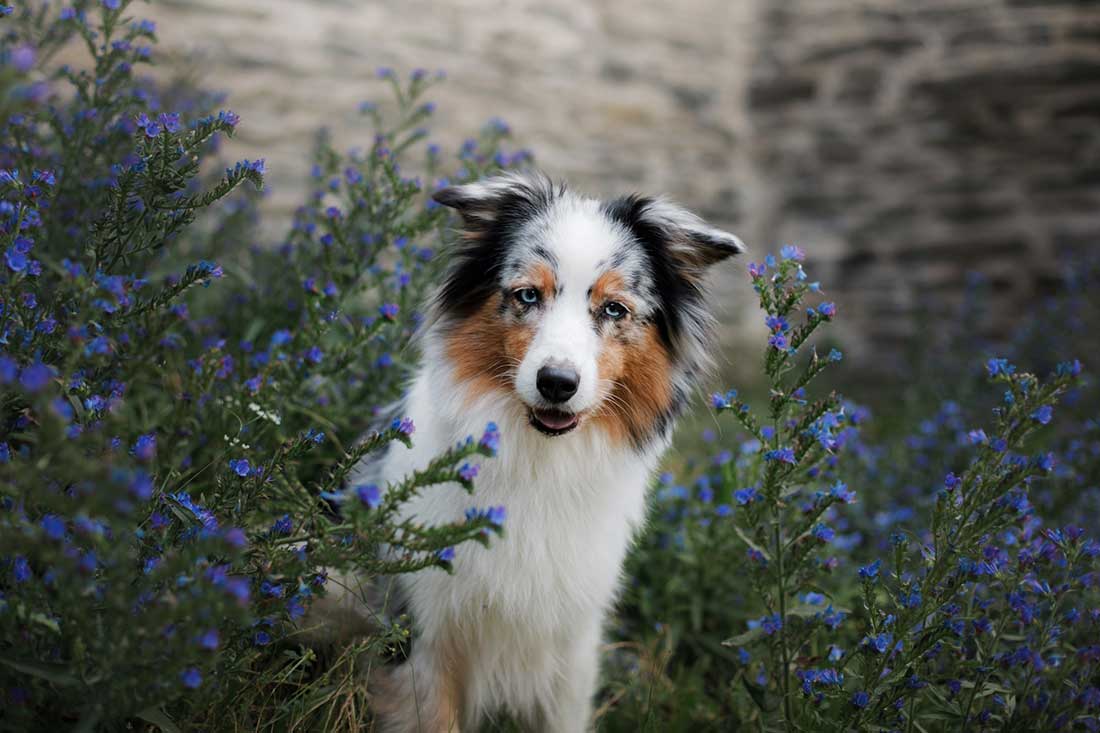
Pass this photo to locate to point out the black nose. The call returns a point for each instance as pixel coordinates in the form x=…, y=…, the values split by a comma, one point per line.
x=557, y=384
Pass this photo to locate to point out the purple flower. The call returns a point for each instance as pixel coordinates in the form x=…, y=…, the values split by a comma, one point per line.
x=490, y=439
x=146, y=447
x=860, y=699
x=403, y=425
x=169, y=121
x=468, y=472
x=778, y=342
x=447, y=554
x=777, y=324
x=389, y=311
x=23, y=57
x=369, y=495
x=823, y=533
x=757, y=270
x=240, y=466
x=828, y=310
x=114, y=5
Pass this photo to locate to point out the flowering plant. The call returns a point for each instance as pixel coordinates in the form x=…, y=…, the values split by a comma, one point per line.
x=974, y=622
x=179, y=413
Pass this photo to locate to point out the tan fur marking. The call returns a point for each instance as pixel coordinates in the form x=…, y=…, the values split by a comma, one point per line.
x=608, y=286
x=542, y=277
x=639, y=367
x=432, y=703
x=485, y=350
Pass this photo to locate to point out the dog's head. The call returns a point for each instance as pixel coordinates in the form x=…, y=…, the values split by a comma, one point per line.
x=588, y=313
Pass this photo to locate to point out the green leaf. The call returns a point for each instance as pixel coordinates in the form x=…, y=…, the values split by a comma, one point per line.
x=745, y=538
x=58, y=674
x=745, y=638
x=160, y=719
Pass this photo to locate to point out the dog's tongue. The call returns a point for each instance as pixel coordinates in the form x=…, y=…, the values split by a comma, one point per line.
x=554, y=419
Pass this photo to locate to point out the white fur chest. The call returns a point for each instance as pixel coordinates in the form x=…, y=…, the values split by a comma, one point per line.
x=573, y=504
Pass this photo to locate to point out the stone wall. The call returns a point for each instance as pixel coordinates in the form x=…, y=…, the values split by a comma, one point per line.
x=905, y=143
x=900, y=142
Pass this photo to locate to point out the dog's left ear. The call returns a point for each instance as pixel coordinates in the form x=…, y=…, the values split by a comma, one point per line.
x=686, y=239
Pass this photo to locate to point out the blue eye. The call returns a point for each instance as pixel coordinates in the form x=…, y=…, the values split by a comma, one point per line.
x=614, y=310
x=527, y=296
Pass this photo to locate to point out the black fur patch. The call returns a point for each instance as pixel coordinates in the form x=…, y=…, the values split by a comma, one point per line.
x=672, y=289
x=475, y=269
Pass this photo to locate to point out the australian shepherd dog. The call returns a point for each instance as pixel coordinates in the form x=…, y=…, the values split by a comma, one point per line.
x=580, y=327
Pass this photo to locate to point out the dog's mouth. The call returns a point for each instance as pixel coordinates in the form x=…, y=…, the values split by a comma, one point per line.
x=552, y=422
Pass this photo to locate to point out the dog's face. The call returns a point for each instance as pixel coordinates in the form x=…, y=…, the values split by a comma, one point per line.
x=587, y=312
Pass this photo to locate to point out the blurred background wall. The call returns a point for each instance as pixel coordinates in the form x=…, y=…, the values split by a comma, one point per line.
x=901, y=143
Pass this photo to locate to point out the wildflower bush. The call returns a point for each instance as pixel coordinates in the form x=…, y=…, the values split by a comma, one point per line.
x=810, y=577
x=181, y=404
x=182, y=401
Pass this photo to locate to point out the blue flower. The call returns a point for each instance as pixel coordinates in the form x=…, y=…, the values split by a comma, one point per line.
x=828, y=310
x=783, y=455
x=769, y=624
x=283, y=526
x=447, y=554
x=145, y=449
x=1043, y=415
x=53, y=526
x=1000, y=367
x=191, y=677
x=21, y=569
x=860, y=699
x=879, y=642
x=209, y=639
x=36, y=377
x=240, y=466
x=822, y=532
x=791, y=252
x=869, y=572
x=1069, y=369
x=746, y=495
x=841, y=492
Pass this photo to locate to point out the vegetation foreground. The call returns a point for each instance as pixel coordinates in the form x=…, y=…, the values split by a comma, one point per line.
x=181, y=403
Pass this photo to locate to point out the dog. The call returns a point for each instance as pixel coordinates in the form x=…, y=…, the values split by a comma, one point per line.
x=581, y=328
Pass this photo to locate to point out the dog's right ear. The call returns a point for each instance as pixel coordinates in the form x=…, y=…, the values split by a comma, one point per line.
x=483, y=203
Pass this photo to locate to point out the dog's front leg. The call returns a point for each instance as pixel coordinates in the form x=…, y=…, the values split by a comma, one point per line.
x=423, y=695
x=570, y=710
